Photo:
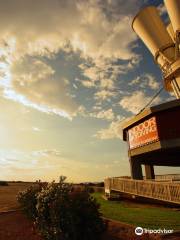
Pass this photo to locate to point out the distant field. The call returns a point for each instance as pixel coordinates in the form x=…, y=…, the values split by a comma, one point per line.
x=139, y=214
x=8, y=195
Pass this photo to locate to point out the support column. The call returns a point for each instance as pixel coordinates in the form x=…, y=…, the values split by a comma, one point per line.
x=136, y=169
x=149, y=171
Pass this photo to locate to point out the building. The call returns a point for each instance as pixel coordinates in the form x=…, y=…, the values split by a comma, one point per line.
x=153, y=137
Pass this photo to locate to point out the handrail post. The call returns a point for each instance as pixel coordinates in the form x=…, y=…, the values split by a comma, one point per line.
x=169, y=192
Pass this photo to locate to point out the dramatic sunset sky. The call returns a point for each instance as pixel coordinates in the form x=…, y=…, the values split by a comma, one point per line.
x=70, y=71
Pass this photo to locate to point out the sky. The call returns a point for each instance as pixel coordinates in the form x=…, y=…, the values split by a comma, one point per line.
x=71, y=71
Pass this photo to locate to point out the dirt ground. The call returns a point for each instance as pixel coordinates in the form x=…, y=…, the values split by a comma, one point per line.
x=15, y=226
x=8, y=195
x=122, y=231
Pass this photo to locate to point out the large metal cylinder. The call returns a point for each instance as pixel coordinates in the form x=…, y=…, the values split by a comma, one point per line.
x=173, y=8
x=150, y=28
x=171, y=31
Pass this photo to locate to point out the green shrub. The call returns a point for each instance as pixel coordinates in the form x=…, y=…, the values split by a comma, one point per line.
x=66, y=214
x=62, y=212
x=85, y=218
x=28, y=199
x=3, y=183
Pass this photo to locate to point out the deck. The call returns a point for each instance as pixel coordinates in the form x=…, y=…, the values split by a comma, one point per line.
x=168, y=191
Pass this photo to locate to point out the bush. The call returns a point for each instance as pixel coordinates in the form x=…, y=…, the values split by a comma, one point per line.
x=28, y=200
x=66, y=214
x=61, y=212
x=86, y=222
x=3, y=183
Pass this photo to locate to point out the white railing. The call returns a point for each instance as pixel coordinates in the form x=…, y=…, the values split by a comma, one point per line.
x=172, y=177
x=165, y=191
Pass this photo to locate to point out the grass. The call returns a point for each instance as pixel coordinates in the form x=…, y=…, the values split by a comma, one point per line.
x=139, y=215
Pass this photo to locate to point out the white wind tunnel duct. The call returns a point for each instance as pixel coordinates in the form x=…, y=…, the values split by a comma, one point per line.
x=173, y=8
x=162, y=42
x=152, y=31
x=171, y=31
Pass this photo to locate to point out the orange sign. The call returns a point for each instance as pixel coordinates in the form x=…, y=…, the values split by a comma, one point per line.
x=143, y=133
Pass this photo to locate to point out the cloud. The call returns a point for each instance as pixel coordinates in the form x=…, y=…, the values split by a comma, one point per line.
x=34, y=83
x=36, y=26
x=135, y=81
x=119, y=7
x=152, y=83
x=36, y=129
x=146, y=81
x=37, y=81
x=113, y=131
x=162, y=9
x=104, y=95
x=118, y=44
x=107, y=83
x=99, y=30
x=88, y=83
x=104, y=114
x=136, y=102
x=46, y=25
x=103, y=73
x=47, y=153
